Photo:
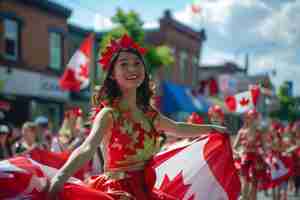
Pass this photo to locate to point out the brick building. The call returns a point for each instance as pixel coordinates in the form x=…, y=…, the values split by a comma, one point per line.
x=186, y=45
x=33, y=53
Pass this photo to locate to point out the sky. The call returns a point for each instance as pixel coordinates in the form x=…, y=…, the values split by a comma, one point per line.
x=266, y=30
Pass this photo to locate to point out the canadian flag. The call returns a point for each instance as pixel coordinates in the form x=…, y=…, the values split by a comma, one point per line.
x=280, y=169
x=203, y=169
x=76, y=74
x=244, y=101
x=27, y=176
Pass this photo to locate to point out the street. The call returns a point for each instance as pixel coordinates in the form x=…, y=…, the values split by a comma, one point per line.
x=261, y=196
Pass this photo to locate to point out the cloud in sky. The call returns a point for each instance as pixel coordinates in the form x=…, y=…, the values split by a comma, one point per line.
x=267, y=30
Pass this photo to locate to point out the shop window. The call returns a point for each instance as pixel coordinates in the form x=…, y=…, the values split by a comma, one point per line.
x=50, y=110
x=195, y=70
x=183, y=64
x=56, y=51
x=11, y=39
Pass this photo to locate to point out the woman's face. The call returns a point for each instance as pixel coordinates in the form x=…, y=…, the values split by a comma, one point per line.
x=252, y=121
x=129, y=71
x=29, y=134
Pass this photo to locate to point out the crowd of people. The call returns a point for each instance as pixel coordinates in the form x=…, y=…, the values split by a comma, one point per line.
x=126, y=130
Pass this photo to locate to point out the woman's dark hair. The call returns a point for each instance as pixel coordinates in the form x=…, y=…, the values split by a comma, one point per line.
x=110, y=89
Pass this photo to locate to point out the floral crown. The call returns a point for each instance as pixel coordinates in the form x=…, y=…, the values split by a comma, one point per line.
x=115, y=46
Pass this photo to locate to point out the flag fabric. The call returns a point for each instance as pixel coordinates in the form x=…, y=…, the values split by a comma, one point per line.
x=27, y=176
x=55, y=160
x=21, y=179
x=203, y=169
x=244, y=101
x=76, y=74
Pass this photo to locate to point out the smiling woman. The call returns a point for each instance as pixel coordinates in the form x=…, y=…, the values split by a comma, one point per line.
x=128, y=129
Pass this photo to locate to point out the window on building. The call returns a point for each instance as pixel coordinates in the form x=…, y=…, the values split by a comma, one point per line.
x=56, y=50
x=173, y=50
x=11, y=39
x=183, y=64
x=195, y=70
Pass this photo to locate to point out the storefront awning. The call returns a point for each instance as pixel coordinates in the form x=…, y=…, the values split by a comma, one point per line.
x=176, y=99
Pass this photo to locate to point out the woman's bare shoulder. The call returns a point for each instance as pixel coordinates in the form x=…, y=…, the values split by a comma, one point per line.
x=105, y=115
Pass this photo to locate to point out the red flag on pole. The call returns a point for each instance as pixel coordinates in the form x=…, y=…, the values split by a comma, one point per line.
x=195, y=7
x=76, y=74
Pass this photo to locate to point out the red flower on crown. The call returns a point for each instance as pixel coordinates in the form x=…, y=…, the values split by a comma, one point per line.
x=125, y=42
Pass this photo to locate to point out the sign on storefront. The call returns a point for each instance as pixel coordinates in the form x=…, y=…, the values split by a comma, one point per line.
x=24, y=83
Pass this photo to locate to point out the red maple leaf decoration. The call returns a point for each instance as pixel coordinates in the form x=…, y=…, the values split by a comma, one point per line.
x=244, y=101
x=115, y=45
x=176, y=187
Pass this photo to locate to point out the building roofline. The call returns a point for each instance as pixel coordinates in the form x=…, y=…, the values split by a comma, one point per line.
x=179, y=26
x=221, y=66
x=49, y=6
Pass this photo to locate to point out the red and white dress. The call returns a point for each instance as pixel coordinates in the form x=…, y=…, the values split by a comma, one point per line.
x=252, y=164
x=279, y=165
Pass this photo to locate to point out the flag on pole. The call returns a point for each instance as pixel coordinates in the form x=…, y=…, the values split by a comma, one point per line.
x=76, y=74
x=195, y=7
x=242, y=102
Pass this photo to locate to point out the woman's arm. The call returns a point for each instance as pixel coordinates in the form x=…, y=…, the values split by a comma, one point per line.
x=237, y=142
x=84, y=152
x=182, y=129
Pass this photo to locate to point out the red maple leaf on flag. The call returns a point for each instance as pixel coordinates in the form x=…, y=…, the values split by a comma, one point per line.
x=168, y=186
x=84, y=71
x=244, y=101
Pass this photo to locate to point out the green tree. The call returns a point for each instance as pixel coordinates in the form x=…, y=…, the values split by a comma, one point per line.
x=287, y=105
x=131, y=24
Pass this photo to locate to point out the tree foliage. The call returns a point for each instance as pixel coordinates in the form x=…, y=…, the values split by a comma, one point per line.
x=131, y=24
x=288, y=109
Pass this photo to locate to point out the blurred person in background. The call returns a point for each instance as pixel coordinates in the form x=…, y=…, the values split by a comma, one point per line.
x=6, y=147
x=71, y=133
x=44, y=133
x=248, y=146
x=29, y=138
x=216, y=115
x=296, y=153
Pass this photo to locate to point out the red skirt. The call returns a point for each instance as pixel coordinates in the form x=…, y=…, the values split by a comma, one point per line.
x=252, y=166
x=111, y=186
x=129, y=184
